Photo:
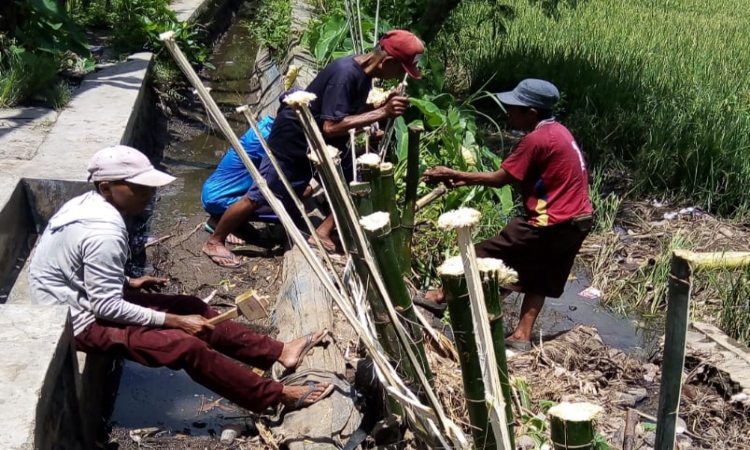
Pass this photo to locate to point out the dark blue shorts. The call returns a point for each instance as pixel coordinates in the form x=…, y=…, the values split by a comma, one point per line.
x=299, y=173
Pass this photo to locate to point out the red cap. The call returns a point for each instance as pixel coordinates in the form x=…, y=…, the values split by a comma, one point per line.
x=406, y=48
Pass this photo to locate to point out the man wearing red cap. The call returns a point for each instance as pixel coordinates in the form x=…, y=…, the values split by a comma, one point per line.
x=341, y=90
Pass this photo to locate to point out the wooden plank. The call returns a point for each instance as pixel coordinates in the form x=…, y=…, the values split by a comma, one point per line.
x=675, y=333
x=304, y=306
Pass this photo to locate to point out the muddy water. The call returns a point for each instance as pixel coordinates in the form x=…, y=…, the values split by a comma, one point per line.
x=163, y=398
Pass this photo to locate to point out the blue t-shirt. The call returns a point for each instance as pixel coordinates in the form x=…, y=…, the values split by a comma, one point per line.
x=231, y=180
x=341, y=89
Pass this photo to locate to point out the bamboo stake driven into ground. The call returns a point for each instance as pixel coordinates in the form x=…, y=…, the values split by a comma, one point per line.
x=393, y=383
x=462, y=220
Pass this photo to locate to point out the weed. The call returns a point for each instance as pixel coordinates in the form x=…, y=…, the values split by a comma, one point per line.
x=59, y=95
x=271, y=26
x=606, y=204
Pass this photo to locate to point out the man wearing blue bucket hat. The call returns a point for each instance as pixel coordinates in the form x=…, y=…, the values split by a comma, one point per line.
x=542, y=244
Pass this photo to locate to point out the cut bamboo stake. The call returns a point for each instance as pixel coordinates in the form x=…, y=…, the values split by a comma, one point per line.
x=388, y=193
x=316, y=139
x=675, y=333
x=434, y=415
x=573, y=425
x=431, y=197
x=406, y=228
x=717, y=260
x=361, y=195
x=495, y=274
x=369, y=164
x=378, y=229
x=459, y=306
x=462, y=220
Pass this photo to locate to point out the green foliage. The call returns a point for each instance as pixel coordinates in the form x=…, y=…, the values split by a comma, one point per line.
x=24, y=75
x=328, y=37
x=48, y=28
x=271, y=26
x=732, y=317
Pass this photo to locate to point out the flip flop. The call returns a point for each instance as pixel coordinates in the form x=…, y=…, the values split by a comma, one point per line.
x=309, y=344
x=216, y=258
x=313, y=385
x=231, y=239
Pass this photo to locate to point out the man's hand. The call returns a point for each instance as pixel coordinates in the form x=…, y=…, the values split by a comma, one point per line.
x=147, y=282
x=396, y=106
x=441, y=174
x=192, y=324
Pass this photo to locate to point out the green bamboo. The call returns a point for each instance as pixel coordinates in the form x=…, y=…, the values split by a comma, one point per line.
x=386, y=257
x=360, y=192
x=388, y=194
x=491, y=287
x=371, y=174
x=457, y=296
x=675, y=333
x=573, y=426
x=406, y=230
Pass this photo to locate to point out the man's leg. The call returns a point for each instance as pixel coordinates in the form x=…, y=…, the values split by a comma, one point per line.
x=215, y=247
x=530, y=309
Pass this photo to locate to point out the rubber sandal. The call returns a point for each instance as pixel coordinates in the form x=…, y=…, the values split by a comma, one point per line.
x=216, y=258
x=231, y=239
x=309, y=344
x=518, y=346
x=313, y=385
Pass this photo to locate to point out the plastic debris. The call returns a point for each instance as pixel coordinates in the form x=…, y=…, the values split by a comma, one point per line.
x=591, y=293
x=690, y=211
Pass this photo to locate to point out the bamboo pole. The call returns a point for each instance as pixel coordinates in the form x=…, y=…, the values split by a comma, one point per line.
x=431, y=197
x=406, y=230
x=444, y=430
x=388, y=193
x=675, y=333
x=457, y=296
x=462, y=220
x=361, y=195
x=378, y=229
x=573, y=425
x=316, y=140
x=717, y=260
x=494, y=275
x=631, y=422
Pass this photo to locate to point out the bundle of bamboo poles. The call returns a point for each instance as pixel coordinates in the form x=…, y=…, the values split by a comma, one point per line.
x=430, y=421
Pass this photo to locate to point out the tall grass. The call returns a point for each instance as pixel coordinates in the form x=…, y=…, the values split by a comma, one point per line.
x=660, y=85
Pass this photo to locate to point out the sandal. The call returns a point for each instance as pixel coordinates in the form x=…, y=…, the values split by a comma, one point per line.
x=418, y=298
x=313, y=385
x=309, y=344
x=231, y=238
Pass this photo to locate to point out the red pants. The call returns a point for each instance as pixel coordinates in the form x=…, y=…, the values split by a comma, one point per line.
x=203, y=358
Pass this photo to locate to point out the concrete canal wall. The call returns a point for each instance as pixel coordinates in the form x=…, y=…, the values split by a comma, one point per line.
x=53, y=397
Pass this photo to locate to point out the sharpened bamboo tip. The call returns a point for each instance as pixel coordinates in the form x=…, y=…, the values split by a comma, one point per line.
x=299, y=98
x=167, y=36
x=241, y=109
x=459, y=218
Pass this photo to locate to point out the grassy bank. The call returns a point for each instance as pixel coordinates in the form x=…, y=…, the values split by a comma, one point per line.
x=659, y=86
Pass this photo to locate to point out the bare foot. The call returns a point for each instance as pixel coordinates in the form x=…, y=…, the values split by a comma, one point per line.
x=291, y=395
x=294, y=351
x=328, y=244
x=221, y=255
x=435, y=296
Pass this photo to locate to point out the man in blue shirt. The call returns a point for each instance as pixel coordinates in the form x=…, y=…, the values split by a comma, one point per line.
x=341, y=89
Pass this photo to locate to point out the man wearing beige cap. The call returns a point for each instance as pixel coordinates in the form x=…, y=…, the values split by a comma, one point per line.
x=80, y=262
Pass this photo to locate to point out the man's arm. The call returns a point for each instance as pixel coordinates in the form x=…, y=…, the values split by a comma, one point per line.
x=455, y=178
x=103, y=262
x=395, y=107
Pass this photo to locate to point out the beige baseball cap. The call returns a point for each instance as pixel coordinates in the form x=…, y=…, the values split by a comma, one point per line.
x=123, y=163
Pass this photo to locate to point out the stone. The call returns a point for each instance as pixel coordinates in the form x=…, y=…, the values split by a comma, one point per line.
x=639, y=393
x=627, y=400
x=650, y=438
x=681, y=426
x=683, y=442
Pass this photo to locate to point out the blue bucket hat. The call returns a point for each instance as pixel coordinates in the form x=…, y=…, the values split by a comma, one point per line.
x=533, y=93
